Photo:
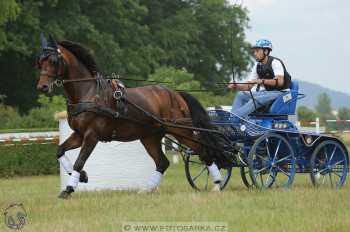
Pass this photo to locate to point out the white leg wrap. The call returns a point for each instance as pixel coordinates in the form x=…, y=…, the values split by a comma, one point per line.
x=74, y=179
x=214, y=173
x=175, y=159
x=155, y=180
x=66, y=164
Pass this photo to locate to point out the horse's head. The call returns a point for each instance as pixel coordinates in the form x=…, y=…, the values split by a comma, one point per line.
x=50, y=63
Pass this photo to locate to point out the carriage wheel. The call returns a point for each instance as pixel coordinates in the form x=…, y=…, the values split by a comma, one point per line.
x=271, y=162
x=244, y=171
x=245, y=177
x=329, y=164
x=197, y=174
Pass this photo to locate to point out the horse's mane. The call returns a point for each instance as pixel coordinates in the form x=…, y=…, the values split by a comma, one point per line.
x=82, y=54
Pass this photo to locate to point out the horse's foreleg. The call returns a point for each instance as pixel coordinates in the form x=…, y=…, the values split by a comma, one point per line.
x=74, y=141
x=154, y=149
x=89, y=143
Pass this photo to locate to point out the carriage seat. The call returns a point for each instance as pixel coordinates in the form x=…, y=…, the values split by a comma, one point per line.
x=284, y=105
x=287, y=102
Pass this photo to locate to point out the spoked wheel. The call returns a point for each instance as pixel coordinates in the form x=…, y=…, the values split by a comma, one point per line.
x=247, y=181
x=197, y=174
x=271, y=162
x=329, y=164
x=244, y=170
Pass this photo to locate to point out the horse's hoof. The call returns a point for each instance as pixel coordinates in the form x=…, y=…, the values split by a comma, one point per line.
x=65, y=194
x=83, y=177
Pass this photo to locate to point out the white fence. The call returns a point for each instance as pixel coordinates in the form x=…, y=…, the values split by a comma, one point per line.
x=329, y=126
x=29, y=138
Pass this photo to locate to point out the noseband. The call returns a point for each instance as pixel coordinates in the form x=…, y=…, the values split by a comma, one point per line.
x=59, y=81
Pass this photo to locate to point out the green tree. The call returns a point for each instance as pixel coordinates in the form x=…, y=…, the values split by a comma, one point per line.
x=196, y=35
x=130, y=37
x=38, y=117
x=344, y=113
x=182, y=80
x=215, y=55
x=306, y=114
x=9, y=10
x=9, y=116
x=323, y=107
x=43, y=116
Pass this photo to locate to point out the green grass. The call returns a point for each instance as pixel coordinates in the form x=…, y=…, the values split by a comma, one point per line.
x=301, y=208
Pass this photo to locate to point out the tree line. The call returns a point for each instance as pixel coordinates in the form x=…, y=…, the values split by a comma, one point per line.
x=133, y=38
x=323, y=110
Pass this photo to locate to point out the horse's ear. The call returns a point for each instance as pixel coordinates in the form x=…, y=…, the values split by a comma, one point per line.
x=43, y=41
x=52, y=42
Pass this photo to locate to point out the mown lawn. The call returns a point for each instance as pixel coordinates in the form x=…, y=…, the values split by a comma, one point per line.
x=301, y=208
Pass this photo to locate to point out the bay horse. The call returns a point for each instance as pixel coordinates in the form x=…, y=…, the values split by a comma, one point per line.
x=96, y=114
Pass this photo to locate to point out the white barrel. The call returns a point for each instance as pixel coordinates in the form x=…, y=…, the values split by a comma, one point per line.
x=112, y=165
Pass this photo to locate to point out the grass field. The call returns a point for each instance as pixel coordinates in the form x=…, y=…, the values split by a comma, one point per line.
x=301, y=208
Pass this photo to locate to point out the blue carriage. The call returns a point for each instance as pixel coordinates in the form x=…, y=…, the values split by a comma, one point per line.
x=271, y=149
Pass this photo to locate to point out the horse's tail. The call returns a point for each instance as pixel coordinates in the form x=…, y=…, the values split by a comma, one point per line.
x=214, y=151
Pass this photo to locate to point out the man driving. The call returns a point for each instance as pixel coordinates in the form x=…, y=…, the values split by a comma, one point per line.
x=265, y=83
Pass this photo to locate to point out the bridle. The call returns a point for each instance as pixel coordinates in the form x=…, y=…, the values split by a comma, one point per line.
x=57, y=61
x=59, y=80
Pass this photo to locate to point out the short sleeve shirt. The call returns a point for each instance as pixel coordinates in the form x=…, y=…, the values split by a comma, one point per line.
x=277, y=68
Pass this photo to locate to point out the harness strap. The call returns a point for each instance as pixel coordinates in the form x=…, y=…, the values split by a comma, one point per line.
x=81, y=107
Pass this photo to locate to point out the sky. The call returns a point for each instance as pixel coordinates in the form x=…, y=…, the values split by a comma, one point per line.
x=312, y=37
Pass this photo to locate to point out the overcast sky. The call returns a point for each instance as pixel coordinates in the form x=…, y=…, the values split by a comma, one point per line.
x=312, y=37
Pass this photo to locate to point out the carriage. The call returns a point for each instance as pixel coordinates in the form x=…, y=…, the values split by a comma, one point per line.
x=270, y=150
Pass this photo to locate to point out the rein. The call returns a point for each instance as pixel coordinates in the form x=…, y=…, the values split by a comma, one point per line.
x=60, y=83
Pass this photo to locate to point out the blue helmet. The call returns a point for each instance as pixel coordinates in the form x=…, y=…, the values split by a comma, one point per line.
x=263, y=43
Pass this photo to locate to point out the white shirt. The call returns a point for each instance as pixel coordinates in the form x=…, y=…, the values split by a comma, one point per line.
x=277, y=68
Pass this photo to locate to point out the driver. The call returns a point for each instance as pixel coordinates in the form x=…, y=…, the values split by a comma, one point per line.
x=266, y=80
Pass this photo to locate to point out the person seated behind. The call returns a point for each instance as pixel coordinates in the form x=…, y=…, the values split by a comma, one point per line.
x=266, y=80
